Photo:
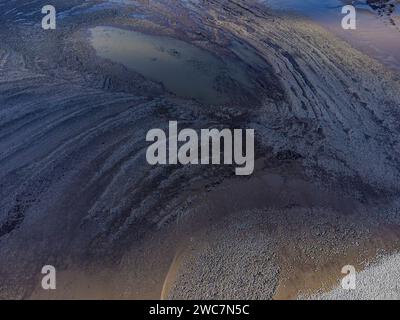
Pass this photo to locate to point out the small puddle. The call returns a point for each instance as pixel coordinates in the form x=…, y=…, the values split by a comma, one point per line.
x=375, y=35
x=182, y=68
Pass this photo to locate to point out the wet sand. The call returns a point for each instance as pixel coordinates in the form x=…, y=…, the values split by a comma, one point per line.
x=377, y=33
x=77, y=189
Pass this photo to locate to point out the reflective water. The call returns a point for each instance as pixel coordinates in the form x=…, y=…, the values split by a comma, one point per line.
x=182, y=68
x=375, y=34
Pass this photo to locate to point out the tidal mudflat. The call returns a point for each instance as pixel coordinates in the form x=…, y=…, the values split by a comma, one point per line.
x=182, y=68
x=76, y=190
